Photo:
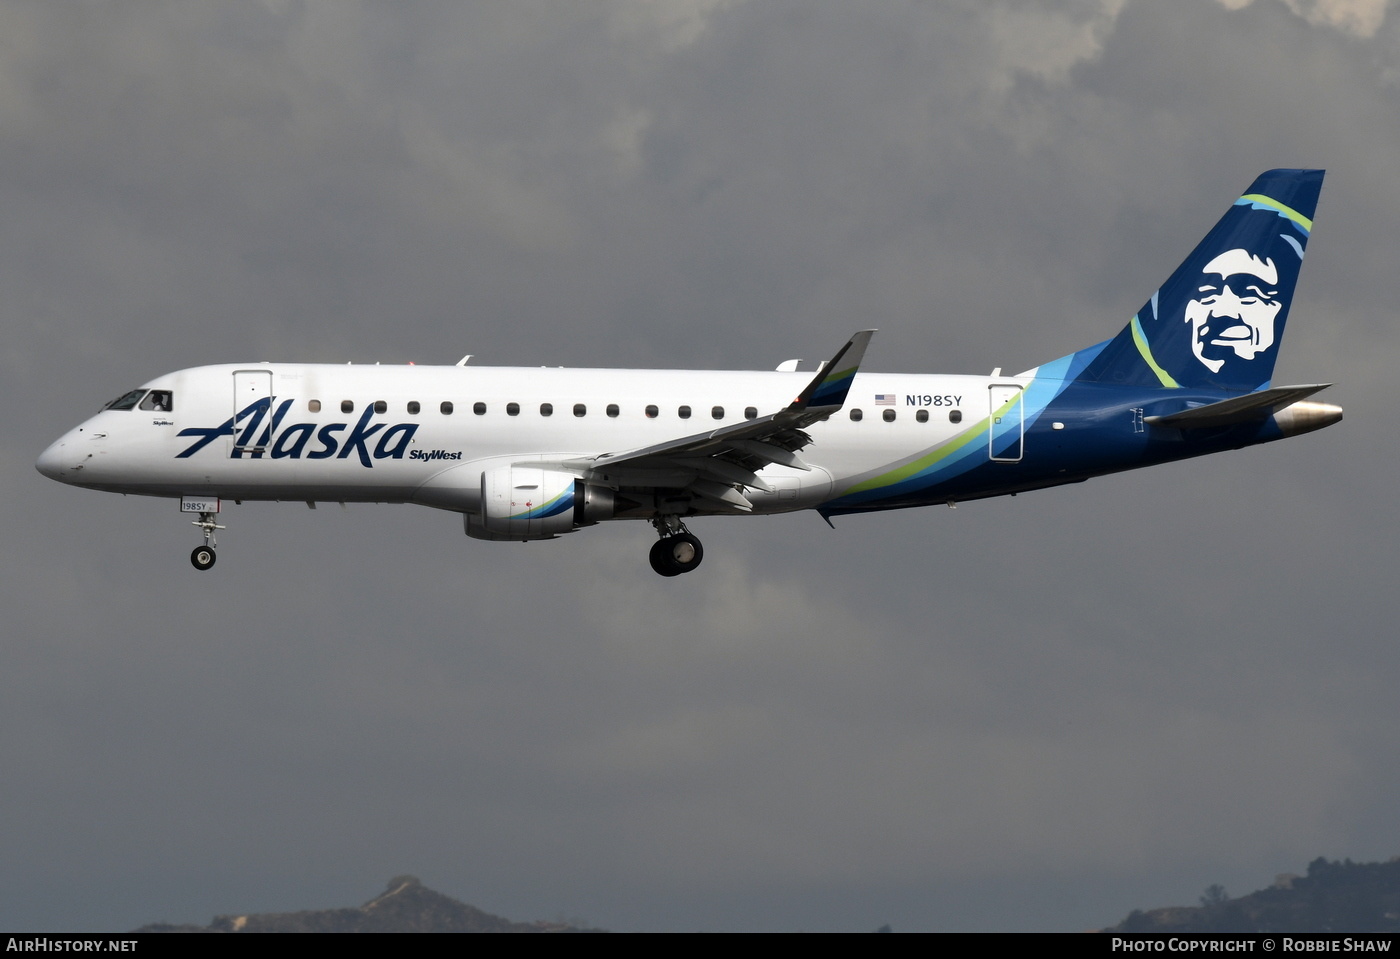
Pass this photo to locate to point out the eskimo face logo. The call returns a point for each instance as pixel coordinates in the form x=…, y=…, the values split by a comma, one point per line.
x=1234, y=311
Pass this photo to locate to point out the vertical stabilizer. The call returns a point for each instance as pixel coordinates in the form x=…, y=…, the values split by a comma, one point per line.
x=1217, y=322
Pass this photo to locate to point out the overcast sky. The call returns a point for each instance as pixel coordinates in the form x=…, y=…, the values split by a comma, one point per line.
x=1029, y=713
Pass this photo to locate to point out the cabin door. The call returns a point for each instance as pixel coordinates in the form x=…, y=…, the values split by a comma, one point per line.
x=252, y=391
x=1006, y=432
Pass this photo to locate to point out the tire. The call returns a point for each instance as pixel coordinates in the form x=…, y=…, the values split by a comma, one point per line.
x=203, y=557
x=660, y=557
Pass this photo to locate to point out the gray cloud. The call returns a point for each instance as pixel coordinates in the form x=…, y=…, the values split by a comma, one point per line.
x=1032, y=713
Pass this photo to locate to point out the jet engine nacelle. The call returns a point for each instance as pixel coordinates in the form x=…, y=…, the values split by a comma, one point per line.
x=520, y=503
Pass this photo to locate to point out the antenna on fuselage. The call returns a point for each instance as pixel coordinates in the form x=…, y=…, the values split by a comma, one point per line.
x=463, y=360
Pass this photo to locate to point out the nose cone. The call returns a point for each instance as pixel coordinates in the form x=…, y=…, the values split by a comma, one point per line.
x=64, y=459
x=50, y=462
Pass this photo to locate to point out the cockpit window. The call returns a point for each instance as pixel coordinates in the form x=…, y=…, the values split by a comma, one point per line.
x=162, y=401
x=127, y=401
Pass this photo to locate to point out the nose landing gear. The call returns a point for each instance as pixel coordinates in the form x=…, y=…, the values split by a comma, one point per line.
x=203, y=556
x=678, y=551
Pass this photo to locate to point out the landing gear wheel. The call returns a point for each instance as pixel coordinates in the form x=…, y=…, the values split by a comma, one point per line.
x=203, y=556
x=660, y=559
x=686, y=552
x=677, y=554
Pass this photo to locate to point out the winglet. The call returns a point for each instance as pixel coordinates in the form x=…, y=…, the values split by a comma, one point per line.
x=829, y=387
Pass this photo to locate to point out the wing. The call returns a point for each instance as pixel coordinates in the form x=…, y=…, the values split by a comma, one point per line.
x=715, y=464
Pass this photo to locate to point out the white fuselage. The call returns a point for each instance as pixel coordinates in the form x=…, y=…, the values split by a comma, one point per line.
x=321, y=436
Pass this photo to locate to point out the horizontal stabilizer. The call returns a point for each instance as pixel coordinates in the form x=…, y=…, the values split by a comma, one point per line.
x=1239, y=409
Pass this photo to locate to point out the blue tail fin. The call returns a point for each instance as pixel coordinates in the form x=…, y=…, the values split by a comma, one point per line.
x=1217, y=322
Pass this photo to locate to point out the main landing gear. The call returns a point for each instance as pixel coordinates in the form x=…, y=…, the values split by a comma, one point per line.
x=203, y=556
x=678, y=551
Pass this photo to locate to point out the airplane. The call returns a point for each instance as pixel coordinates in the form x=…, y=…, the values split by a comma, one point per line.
x=531, y=454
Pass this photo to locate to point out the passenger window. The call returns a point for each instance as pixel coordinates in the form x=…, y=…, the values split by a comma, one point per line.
x=580, y=409
x=889, y=416
x=446, y=407
x=413, y=407
x=921, y=416
x=126, y=401
x=652, y=412
x=380, y=406
x=159, y=401
x=546, y=409
x=750, y=412
x=856, y=415
x=313, y=406
x=347, y=406
x=955, y=416
x=512, y=409
x=683, y=412
x=717, y=412
x=612, y=409
x=479, y=409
